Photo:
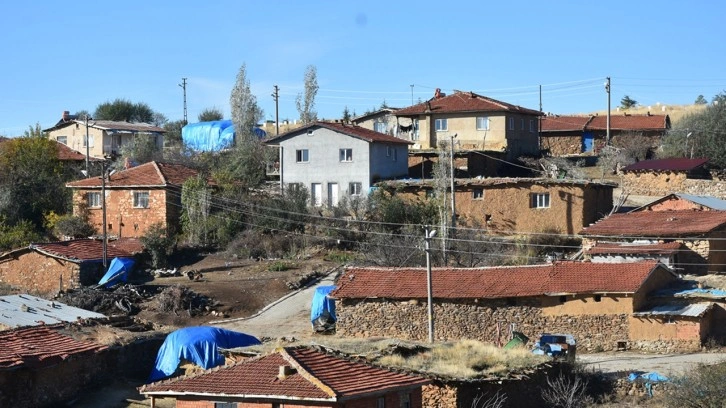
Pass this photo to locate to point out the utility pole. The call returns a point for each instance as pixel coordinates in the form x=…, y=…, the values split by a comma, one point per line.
x=183, y=85
x=453, y=182
x=607, y=134
x=429, y=288
x=276, y=97
x=88, y=170
x=539, y=120
x=103, y=214
x=411, y=94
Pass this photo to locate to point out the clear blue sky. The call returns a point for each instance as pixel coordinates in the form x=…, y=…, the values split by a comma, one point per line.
x=74, y=55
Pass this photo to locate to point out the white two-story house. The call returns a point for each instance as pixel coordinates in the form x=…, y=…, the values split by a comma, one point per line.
x=333, y=160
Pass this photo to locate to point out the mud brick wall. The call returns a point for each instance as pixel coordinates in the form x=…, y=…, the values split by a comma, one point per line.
x=562, y=145
x=39, y=274
x=471, y=320
x=652, y=184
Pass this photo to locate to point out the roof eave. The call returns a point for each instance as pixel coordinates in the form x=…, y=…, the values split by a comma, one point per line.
x=240, y=396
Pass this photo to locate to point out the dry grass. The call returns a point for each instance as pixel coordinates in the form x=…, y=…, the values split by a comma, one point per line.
x=462, y=359
x=675, y=112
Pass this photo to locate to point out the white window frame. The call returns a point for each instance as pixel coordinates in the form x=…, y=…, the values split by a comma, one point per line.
x=484, y=125
x=540, y=200
x=94, y=202
x=355, y=188
x=62, y=140
x=378, y=125
x=415, y=134
x=511, y=123
x=441, y=125
x=302, y=156
x=139, y=201
x=477, y=194
x=346, y=155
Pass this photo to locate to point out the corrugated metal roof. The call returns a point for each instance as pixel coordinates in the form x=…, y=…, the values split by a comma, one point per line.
x=673, y=309
x=671, y=164
x=39, y=311
x=706, y=201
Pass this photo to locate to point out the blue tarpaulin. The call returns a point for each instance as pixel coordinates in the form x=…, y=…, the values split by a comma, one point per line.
x=650, y=377
x=322, y=303
x=199, y=345
x=212, y=136
x=117, y=272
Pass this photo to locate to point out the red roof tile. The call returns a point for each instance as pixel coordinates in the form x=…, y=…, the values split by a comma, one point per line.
x=463, y=102
x=40, y=346
x=317, y=376
x=684, y=223
x=151, y=174
x=493, y=283
x=672, y=164
x=346, y=129
x=564, y=123
x=631, y=122
x=88, y=250
x=619, y=248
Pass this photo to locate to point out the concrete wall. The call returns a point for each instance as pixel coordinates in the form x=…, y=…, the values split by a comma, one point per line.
x=122, y=219
x=43, y=275
x=388, y=161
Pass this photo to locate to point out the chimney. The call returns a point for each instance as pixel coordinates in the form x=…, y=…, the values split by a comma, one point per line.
x=66, y=114
x=284, y=372
x=127, y=163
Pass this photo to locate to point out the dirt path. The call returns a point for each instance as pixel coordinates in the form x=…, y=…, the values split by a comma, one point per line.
x=666, y=364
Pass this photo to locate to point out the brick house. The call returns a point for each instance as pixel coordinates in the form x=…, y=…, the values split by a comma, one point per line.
x=479, y=123
x=702, y=234
x=136, y=198
x=49, y=268
x=517, y=205
x=595, y=302
x=573, y=135
x=105, y=137
x=300, y=377
x=334, y=160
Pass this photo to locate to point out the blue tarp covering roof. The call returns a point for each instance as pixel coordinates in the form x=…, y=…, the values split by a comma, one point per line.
x=322, y=303
x=117, y=272
x=212, y=136
x=199, y=345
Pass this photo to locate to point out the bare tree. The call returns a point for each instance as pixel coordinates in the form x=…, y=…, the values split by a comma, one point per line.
x=566, y=392
x=495, y=401
x=306, y=103
x=245, y=111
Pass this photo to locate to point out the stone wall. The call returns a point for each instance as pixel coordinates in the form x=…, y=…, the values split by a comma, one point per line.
x=38, y=274
x=479, y=321
x=562, y=145
x=661, y=184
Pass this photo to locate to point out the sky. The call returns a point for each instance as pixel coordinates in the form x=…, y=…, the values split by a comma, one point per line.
x=73, y=56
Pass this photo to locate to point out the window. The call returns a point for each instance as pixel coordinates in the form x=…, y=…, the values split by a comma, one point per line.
x=380, y=127
x=225, y=405
x=90, y=141
x=541, y=200
x=395, y=154
x=391, y=152
x=598, y=298
x=294, y=187
x=141, y=199
x=414, y=134
x=346, y=155
x=511, y=123
x=482, y=123
x=477, y=193
x=442, y=125
x=381, y=402
x=62, y=139
x=406, y=400
x=354, y=189
x=531, y=126
x=302, y=156
x=93, y=199
x=522, y=123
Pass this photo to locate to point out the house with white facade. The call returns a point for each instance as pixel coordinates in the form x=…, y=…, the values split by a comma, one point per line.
x=333, y=160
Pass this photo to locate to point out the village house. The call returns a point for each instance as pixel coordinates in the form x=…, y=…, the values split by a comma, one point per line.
x=384, y=121
x=663, y=176
x=336, y=160
x=563, y=135
x=136, y=198
x=595, y=302
x=701, y=234
x=50, y=268
x=105, y=137
x=293, y=376
x=519, y=205
x=25, y=310
x=677, y=202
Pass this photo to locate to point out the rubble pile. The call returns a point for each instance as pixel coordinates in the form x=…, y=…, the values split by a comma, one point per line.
x=177, y=298
x=123, y=299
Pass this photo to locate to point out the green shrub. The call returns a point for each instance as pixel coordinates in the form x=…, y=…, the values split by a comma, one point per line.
x=18, y=235
x=279, y=266
x=159, y=244
x=73, y=226
x=340, y=257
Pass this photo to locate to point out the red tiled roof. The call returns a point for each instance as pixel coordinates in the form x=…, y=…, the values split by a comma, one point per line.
x=40, y=346
x=109, y=125
x=605, y=248
x=317, y=376
x=631, y=122
x=65, y=153
x=564, y=123
x=346, y=129
x=151, y=174
x=495, y=282
x=672, y=164
x=683, y=223
x=88, y=250
x=463, y=102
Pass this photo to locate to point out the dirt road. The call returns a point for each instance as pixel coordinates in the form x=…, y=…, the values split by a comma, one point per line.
x=666, y=364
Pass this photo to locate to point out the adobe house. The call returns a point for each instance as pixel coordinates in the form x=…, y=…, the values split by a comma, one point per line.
x=293, y=376
x=53, y=267
x=563, y=135
x=594, y=302
x=136, y=198
x=618, y=252
x=677, y=202
x=702, y=234
x=663, y=176
x=518, y=205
